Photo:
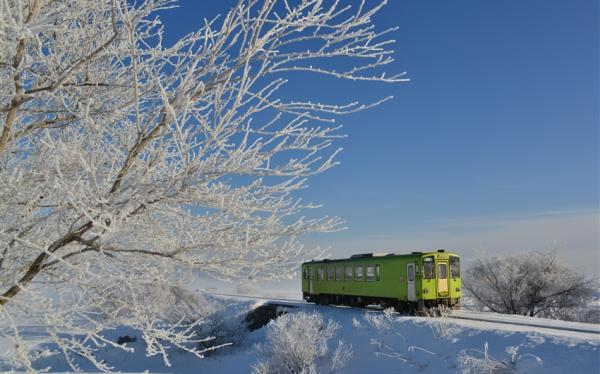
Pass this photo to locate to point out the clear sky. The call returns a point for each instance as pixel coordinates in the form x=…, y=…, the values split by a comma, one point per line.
x=493, y=145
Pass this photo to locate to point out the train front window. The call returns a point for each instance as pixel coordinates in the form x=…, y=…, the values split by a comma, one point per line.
x=454, y=267
x=442, y=271
x=428, y=268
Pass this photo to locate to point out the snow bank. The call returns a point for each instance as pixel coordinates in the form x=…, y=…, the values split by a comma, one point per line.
x=381, y=341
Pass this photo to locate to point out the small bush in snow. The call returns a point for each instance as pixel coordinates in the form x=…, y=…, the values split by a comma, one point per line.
x=298, y=343
x=478, y=362
x=440, y=323
x=383, y=322
x=387, y=325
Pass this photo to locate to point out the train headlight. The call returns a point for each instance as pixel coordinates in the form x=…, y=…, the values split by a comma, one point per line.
x=457, y=289
x=425, y=290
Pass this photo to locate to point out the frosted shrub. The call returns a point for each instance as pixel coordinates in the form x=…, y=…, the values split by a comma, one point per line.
x=438, y=320
x=387, y=325
x=298, y=343
x=383, y=322
x=477, y=362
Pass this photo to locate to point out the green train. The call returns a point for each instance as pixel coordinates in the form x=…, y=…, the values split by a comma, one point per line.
x=415, y=281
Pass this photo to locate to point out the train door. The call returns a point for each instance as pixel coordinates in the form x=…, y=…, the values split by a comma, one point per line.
x=442, y=279
x=311, y=277
x=410, y=281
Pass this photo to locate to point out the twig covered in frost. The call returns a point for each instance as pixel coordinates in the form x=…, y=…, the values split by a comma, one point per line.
x=341, y=356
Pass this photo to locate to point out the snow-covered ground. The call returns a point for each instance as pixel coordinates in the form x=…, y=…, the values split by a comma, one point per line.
x=381, y=342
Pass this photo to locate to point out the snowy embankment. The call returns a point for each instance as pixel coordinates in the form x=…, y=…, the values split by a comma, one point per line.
x=381, y=341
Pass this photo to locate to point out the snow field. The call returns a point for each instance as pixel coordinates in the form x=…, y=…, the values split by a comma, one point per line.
x=380, y=341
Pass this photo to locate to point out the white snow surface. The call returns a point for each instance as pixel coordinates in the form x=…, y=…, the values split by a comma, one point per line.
x=384, y=343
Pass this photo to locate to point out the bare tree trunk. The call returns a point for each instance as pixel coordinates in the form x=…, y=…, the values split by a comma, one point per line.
x=19, y=92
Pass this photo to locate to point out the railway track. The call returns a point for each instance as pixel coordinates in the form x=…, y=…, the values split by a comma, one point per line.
x=543, y=324
x=297, y=301
x=491, y=319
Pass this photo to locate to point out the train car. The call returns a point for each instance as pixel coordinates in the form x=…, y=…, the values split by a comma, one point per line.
x=414, y=281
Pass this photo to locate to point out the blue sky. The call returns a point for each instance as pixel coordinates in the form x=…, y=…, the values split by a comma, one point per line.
x=492, y=146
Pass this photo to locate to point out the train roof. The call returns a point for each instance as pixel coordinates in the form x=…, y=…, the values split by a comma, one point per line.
x=364, y=256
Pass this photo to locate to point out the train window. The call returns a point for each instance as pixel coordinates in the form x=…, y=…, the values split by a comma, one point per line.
x=304, y=274
x=428, y=268
x=358, y=272
x=442, y=270
x=454, y=267
x=330, y=273
x=339, y=273
x=321, y=273
x=377, y=274
x=411, y=272
x=349, y=273
x=370, y=273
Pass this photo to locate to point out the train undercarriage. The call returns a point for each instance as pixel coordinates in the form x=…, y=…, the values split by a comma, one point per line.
x=384, y=302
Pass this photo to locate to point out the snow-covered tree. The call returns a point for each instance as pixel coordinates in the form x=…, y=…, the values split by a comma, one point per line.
x=126, y=161
x=530, y=283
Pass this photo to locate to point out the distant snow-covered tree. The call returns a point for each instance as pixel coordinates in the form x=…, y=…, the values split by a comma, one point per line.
x=531, y=283
x=126, y=161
